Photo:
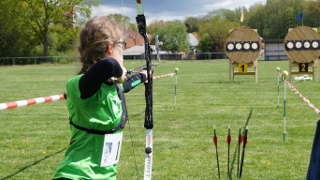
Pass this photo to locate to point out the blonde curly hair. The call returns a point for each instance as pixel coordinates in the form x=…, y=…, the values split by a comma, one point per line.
x=95, y=36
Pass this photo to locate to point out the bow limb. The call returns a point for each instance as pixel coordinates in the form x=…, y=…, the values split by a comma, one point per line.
x=148, y=121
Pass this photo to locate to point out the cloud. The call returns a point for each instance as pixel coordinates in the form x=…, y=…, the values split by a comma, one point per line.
x=231, y=4
x=166, y=16
x=169, y=10
x=104, y=10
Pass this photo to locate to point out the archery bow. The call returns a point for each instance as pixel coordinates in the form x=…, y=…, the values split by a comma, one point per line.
x=148, y=121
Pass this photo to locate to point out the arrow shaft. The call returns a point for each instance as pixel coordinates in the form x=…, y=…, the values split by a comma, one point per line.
x=228, y=142
x=139, y=68
x=164, y=75
x=218, y=164
x=215, y=142
x=238, y=152
x=245, y=138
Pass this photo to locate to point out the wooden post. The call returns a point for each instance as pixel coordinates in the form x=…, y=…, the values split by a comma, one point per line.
x=256, y=71
x=315, y=70
x=230, y=70
x=290, y=70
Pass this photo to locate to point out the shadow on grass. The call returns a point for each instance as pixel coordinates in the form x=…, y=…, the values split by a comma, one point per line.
x=32, y=164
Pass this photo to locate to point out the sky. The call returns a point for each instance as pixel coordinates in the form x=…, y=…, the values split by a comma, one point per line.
x=168, y=9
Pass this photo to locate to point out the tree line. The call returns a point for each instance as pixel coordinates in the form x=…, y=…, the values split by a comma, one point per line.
x=51, y=27
x=272, y=20
x=41, y=27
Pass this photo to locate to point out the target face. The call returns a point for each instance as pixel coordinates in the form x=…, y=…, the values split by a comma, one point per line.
x=246, y=46
x=238, y=46
x=315, y=44
x=298, y=45
x=302, y=44
x=290, y=45
x=242, y=46
x=306, y=45
x=230, y=47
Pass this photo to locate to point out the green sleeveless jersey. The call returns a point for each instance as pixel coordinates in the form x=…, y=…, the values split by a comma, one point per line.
x=102, y=111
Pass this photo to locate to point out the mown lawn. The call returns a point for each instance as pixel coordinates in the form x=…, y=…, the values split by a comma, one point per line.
x=183, y=146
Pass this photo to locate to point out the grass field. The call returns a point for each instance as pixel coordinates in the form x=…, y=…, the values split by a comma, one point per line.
x=183, y=146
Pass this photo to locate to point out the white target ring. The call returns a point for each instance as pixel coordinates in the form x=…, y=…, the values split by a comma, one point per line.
x=238, y=46
x=230, y=47
x=315, y=44
x=254, y=46
x=246, y=46
x=298, y=45
x=290, y=45
x=306, y=45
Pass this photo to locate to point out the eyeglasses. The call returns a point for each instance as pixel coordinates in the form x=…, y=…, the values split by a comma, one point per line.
x=121, y=43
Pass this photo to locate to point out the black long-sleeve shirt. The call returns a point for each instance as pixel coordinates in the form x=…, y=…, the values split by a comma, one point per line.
x=103, y=70
x=99, y=73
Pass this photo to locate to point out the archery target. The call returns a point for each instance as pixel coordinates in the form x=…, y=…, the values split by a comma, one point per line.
x=246, y=47
x=302, y=45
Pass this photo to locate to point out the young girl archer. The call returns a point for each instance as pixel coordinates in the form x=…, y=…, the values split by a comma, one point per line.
x=96, y=104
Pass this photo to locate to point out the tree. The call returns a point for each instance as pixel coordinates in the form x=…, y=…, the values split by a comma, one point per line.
x=192, y=24
x=256, y=17
x=41, y=14
x=233, y=16
x=173, y=34
x=311, y=11
x=155, y=26
x=279, y=17
x=214, y=33
x=15, y=39
x=122, y=21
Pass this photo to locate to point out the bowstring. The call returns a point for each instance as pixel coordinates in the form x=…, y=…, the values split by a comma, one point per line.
x=133, y=151
x=129, y=124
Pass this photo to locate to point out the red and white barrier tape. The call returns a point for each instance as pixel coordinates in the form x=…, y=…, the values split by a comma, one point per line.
x=165, y=75
x=39, y=100
x=307, y=101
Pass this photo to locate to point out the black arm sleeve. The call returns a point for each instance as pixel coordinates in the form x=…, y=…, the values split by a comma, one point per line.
x=133, y=81
x=91, y=81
